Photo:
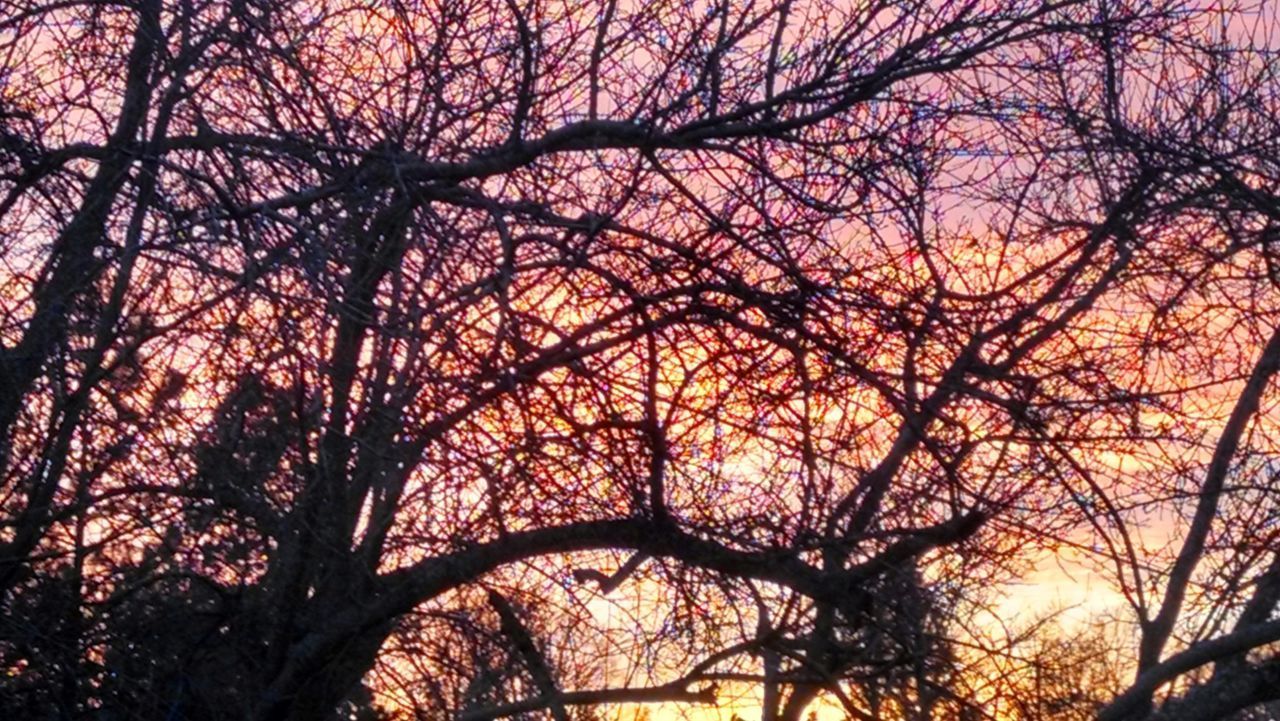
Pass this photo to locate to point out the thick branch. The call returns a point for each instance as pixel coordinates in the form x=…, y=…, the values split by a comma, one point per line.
x=1138, y=697
x=404, y=589
x=1156, y=632
x=528, y=650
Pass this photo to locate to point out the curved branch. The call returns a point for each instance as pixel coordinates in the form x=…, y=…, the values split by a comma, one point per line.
x=1138, y=696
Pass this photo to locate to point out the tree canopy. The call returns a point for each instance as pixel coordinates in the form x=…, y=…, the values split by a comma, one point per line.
x=486, y=359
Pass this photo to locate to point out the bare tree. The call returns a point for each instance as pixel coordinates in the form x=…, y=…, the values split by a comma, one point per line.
x=353, y=350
